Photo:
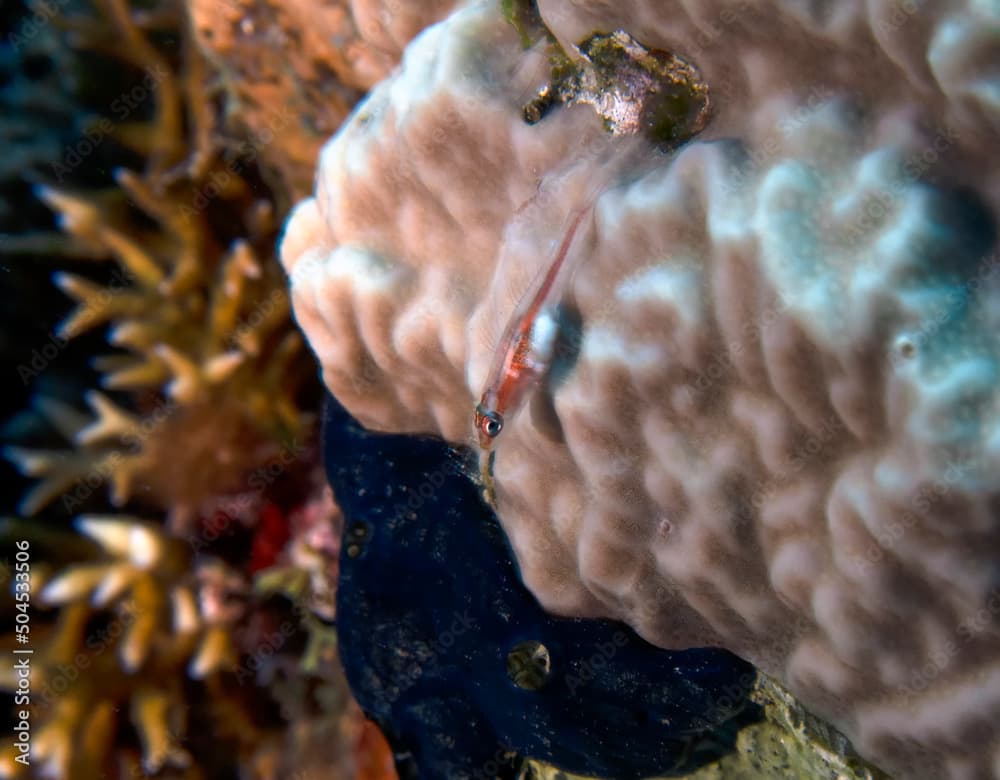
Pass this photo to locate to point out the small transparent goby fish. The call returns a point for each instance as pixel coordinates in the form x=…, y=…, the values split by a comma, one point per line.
x=525, y=350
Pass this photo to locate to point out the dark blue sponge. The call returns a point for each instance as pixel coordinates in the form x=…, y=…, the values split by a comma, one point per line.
x=462, y=669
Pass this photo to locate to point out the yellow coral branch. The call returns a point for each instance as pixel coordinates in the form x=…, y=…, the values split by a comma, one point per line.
x=112, y=422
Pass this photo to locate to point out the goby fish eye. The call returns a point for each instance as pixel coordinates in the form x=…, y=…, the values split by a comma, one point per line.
x=491, y=424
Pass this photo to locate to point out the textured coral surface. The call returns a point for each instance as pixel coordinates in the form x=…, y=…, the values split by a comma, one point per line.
x=296, y=68
x=779, y=428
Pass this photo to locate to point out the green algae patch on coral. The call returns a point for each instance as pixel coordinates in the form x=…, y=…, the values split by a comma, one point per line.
x=635, y=90
x=789, y=742
x=643, y=90
x=524, y=18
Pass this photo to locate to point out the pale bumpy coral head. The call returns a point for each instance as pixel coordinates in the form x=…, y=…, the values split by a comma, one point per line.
x=776, y=423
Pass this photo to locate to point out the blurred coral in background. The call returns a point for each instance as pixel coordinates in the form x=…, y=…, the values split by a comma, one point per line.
x=183, y=539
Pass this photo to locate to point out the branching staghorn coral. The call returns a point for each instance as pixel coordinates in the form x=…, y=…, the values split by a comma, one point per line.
x=201, y=400
x=200, y=315
x=776, y=428
x=129, y=618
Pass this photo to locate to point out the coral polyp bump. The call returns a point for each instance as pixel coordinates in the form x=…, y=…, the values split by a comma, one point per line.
x=779, y=433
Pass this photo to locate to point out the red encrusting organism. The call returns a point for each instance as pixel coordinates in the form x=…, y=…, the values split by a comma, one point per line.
x=270, y=537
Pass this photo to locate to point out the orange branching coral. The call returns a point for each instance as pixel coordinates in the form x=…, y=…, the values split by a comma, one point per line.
x=197, y=427
x=129, y=620
x=204, y=386
x=199, y=314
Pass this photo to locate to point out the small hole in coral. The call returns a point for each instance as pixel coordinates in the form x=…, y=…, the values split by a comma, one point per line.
x=905, y=348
